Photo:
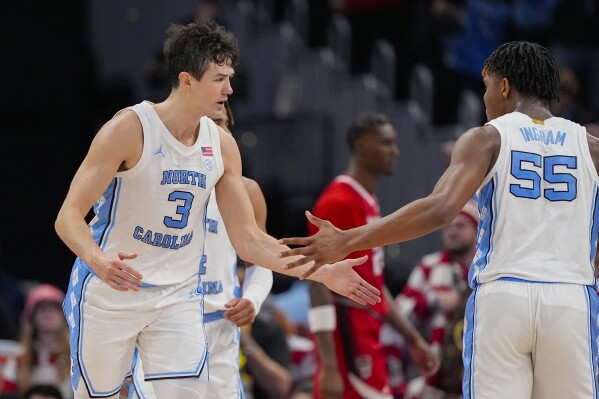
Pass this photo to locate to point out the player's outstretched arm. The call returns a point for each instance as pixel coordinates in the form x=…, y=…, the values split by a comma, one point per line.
x=119, y=141
x=472, y=158
x=259, y=248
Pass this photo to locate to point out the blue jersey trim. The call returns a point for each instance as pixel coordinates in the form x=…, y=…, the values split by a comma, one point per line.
x=136, y=385
x=487, y=207
x=74, y=309
x=593, y=309
x=239, y=381
x=521, y=280
x=103, y=210
x=594, y=229
x=214, y=316
x=113, y=208
x=204, y=221
x=469, y=346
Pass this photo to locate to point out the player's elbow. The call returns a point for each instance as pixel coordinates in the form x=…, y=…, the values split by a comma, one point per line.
x=59, y=224
x=242, y=240
x=444, y=212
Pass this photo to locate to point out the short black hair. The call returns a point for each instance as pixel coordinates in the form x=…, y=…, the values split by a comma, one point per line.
x=364, y=123
x=192, y=47
x=42, y=389
x=529, y=67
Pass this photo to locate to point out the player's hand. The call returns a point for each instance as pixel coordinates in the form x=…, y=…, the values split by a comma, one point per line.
x=326, y=246
x=341, y=278
x=424, y=357
x=241, y=311
x=331, y=383
x=111, y=269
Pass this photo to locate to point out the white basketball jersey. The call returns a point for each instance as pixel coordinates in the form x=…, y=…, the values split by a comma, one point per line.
x=219, y=263
x=157, y=208
x=538, y=205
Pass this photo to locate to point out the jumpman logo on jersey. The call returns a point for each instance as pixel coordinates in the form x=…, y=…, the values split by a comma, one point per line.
x=159, y=151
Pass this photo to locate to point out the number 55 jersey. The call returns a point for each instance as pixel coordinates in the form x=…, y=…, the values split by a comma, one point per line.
x=540, y=200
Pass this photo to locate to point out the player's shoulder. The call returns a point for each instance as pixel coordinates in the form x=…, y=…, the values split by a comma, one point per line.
x=481, y=132
x=480, y=138
x=122, y=132
x=123, y=122
x=228, y=145
x=339, y=192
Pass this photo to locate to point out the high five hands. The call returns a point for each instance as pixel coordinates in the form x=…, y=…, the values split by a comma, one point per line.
x=326, y=246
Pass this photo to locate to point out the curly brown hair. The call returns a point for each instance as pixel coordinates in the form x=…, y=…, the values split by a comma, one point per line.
x=192, y=47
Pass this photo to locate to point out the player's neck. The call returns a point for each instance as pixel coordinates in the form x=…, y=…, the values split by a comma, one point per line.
x=535, y=108
x=177, y=120
x=367, y=179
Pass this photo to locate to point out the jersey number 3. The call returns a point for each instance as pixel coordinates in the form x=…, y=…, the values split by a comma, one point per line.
x=182, y=209
x=540, y=169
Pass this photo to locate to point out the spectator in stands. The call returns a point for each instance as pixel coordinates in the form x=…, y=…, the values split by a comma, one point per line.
x=575, y=42
x=433, y=295
x=44, y=357
x=42, y=391
x=11, y=306
x=572, y=105
x=373, y=19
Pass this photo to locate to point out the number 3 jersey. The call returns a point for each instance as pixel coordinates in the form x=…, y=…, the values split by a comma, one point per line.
x=538, y=205
x=157, y=209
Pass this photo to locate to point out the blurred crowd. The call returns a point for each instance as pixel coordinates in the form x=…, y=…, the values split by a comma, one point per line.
x=34, y=345
x=454, y=37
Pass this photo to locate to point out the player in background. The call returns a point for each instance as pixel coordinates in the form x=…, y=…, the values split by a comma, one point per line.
x=352, y=363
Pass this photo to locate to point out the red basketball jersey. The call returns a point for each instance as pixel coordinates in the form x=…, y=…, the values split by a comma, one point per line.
x=347, y=204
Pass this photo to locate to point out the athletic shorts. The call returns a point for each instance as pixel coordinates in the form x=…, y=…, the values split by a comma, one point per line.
x=527, y=340
x=164, y=322
x=223, y=346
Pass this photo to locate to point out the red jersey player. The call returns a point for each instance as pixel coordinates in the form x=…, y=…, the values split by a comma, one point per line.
x=351, y=361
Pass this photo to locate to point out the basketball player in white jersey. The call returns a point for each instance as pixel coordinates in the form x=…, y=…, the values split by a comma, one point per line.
x=531, y=321
x=150, y=171
x=227, y=305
